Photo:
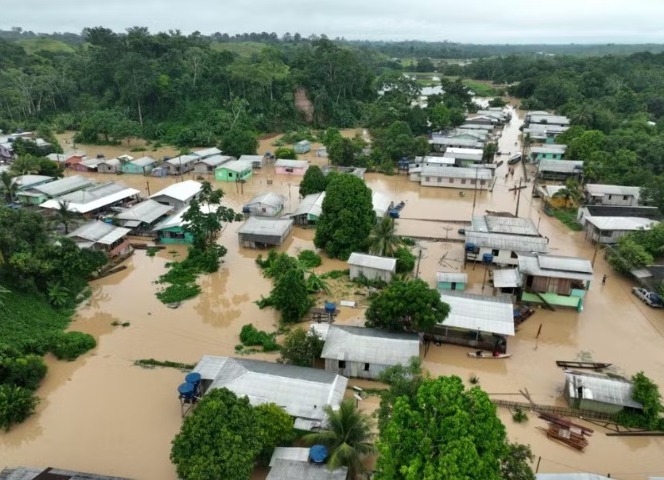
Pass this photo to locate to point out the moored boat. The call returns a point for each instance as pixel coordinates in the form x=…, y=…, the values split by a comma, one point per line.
x=586, y=365
x=480, y=354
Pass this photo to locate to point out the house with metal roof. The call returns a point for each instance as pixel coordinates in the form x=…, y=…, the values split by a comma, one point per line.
x=267, y=204
x=440, y=143
x=454, y=177
x=550, y=196
x=371, y=267
x=285, y=166
x=451, y=280
x=599, y=393
x=474, y=155
x=546, y=118
x=142, y=217
x=550, y=170
x=94, y=199
x=140, y=166
x=365, y=352
x=257, y=161
x=476, y=321
x=38, y=194
x=597, y=194
x=303, y=146
x=552, y=151
x=309, y=210
x=23, y=473
x=301, y=391
x=264, y=233
x=488, y=120
x=26, y=182
x=112, y=165
x=506, y=280
x=207, y=165
x=287, y=469
x=207, y=152
x=102, y=236
x=235, y=171
x=178, y=195
x=555, y=280
x=181, y=164
x=87, y=164
x=608, y=230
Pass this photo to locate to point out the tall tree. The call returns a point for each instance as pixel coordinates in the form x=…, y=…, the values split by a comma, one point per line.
x=301, y=348
x=314, y=181
x=8, y=186
x=64, y=215
x=383, y=240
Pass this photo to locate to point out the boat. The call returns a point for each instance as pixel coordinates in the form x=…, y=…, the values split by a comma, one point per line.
x=587, y=365
x=480, y=354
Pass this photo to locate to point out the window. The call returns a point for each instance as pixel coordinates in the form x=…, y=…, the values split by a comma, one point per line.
x=610, y=196
x=342, y=364
x=440, y=179
x=451, y=180
x=482, y=182
x=495, y=252
x=264, y=209
x=454, y=285
x=366, y=367
x=625, y=197
x=426, y=179
x=513, y=255
x=289, y=170
x=463, y=181
x=230, y=174
x=473, y=181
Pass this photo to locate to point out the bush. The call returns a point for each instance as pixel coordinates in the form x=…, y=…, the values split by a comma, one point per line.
x=70, y=345
x=301, y=348
x=519, y=416
x=26, y=372
x=250, y=336
x=16, y=404
x=405, y=260
x=286, y=153
x=309, y=259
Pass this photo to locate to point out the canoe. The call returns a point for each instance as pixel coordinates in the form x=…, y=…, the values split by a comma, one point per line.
x=588, y=365
x=488, y=355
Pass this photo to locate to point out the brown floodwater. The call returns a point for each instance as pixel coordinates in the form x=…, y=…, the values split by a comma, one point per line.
x=102, y=414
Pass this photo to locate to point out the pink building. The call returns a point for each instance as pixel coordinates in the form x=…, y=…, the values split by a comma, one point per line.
x=291, y=167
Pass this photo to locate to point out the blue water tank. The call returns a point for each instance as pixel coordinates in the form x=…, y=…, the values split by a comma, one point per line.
x=187, y=391
x=318, y=453
x=470, y=247
x=194, y=378
x=487, y=258
x=330, y=307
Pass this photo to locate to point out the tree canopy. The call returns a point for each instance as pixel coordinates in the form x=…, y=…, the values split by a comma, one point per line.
x=313, y=181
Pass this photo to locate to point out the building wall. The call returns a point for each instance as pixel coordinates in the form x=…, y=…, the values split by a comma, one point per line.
x=136, y=170
x=176, y=204
x=290, y=171
x=605, y=236
x=621, y=200
x=262, y=241
x=462, y=183
x=203, y=168
x=458, y=286
x=175, y=235
x=79, y=167
x=302, y=148
x=104, y=168
x=175, y=169
x=31, y=200
x=355, y=369
x=262, y=210
x=370, y=273
x=500, y=257
x=225, y=175
x=586, y=404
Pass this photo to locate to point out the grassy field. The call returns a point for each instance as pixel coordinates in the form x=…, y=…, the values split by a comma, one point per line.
x=243, y=49
x=32, y=45
x=568, y=217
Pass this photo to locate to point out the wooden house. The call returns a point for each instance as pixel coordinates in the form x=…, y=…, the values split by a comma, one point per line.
x=178, y=195
x=181, y=164
x=207, y=165
x=451, y=281
x=264, y=233
x=268, y=204
x=235, y=171
x=102, y=236
x=371, y=267
x=599, y=393
x=112, y=165
x=291, y=167
x=140, y=166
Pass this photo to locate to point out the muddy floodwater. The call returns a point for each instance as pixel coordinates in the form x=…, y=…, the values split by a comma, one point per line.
x=102, y=414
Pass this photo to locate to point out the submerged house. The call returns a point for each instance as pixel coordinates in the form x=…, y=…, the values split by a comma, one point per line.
x=268, y=204
x=207, y=152
x=207, y=165
x=178, y=195
x=102, y=236
x=181, y=164
x=171, y=229
x=552, y=151
x=293, y=463
x=372, y=267
x=456, y=177
x=466, y=155
x=257, y=161
x=302, y=392
x=476, y=321
x=264, y=233
x=451, y=281
x=140, y=166
x=22, y=473
x=559, y=170
x=309, y=210
x=235, y=171
x=555, y=280
x=291, y=167
x=38, y=194
x=112, y=165
x=599, y=393
x=365, y=352
x=617, y=195
x=95, y=199
x=608, y=230
x=302, y=146
x=142, y=217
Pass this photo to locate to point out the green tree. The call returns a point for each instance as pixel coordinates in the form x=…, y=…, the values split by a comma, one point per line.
x=239, y=142
x=405, y=260
x=301, y=348
x=347, y=217
x=290, y=296
x=275, y=426
x=8, y=186
x=285, y=152
x=407, y=305
x=571, y=193
x=403, y=380
x=220, y=439
x=489, y=152
x=583, y=146
x=516, y=463
x=348, y=435
x=16, y=404
x=64, y=215
x=342, y=151
x=314, y=181
x=628, y=255
x=26, y=372
x=383, y=240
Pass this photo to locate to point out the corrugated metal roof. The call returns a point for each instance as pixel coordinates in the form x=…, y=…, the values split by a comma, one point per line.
x=182, y=191
x=99, y=232
x=514, y=243
x=175, y=220
x=183, y=160
x=601, y=388
x=556, y=267
x=435, y=160
x=548, y=118
x=549, y=191
x=380, y=203
x=92, y=162
x=113, y=162
x=476, y=126
x=207, y=152
x=311, y=205
x=92, y=198
x=478, y=312
x=560, y=166
x=287, y=163
x=64, y=185
x=457, y=172
x=237, y=166
x=147, y=212
x=598, y=190
x=373, y=261
x=256, y=226
x=570, y=476
x=25, y=181
x=453, y=277
x=22, y=473
x=289, y=453
x=369, y=345
x=143, y=162
x=552, y=148
x=252, y=158
x=302, y=392
x=506, y=278
x=472, y=143
x=509, y=225
x=215, y=160
x=294, y=470
x=621, y=223
x=269, y=198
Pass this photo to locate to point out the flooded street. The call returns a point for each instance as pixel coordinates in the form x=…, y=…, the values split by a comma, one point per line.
x=101, y=413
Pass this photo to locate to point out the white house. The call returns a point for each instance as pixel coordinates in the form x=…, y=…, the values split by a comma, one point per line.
x=372, y=267
x=597, y=194
x=267, y=204
x=181, y=164
x=264, y=232
x=608, y=230
x=454, y=177
x=178, y=195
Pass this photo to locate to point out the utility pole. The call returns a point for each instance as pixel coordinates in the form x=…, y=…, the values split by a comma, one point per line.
x=147, y=184
x=518, y=198
x=417, y=272
x=592, y=264
x=475, y=189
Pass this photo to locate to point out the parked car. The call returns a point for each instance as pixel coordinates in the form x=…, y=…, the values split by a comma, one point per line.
x=649, y=298
x=516, y=158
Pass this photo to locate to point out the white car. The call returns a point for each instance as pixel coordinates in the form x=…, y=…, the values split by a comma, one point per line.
x=649, y=298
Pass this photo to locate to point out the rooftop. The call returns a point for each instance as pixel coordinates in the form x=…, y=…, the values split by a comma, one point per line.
x=25, y=181
x=623, y=211
x=452, y=277
x=268, y=198
x=143, y=162
x=548, y=118
x=560, y=166
x=380, y=203
x=551, y=148
x=302, y=392
x=175, y=220
x=554, y=266
x=295, y=470
x=550, y=190
x=451, y=151
x=251, y=158
x=621, y=223
x=287, y=163
x=92, y=198
x=63, y=185
x=506, y=278
x=114, y=162
x=237, y=166
x=289, y=453
x=369, y=345
x=311, y=204
x=599, y=190
x=510, y=225
x=600, y=388
x=514, y=243
x=207, y=152
x=469, y=142
x=263, y=226
x=183, y=159
x=98, y=232
x=146, y=212
x=182, y=191
x=372, y=261
x=215, y=160
x=479, y=313
x=457, y=172
x=22, y=473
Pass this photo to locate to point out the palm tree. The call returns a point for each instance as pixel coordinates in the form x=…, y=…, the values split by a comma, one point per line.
x=8, y=185
x=348, y=436
x=383, y=240
x=571, y=193
x=64, y=215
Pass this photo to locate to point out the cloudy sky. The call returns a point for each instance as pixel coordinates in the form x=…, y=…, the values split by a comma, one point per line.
x=470, y=21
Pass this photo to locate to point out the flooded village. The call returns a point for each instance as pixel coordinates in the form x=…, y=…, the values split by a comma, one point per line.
x=101, y=413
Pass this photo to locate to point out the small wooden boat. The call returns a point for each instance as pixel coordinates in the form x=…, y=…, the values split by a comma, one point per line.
x=173, y=305
x=587, y=365
x=480, y=354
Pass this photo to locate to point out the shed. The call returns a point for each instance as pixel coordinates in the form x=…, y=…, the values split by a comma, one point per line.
x=235, y=171
x=264, y=233
x=112, y=165
x=140, y=166
x=371, y=267
x=301, y=391
x=506, y=278
x=102, y=236
x=207, y=152
x=291, y=167
x=181, y=164
x=365, y=352
x=257, y=161
x=267, y=204
x=309, y=210
x=23, y=473
x=599, y=393
x=94, y=199
x=143, y=216
x=451, y=280
x=178, y=195
x=302, y=146
x=296, y=454
x=207, y=165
